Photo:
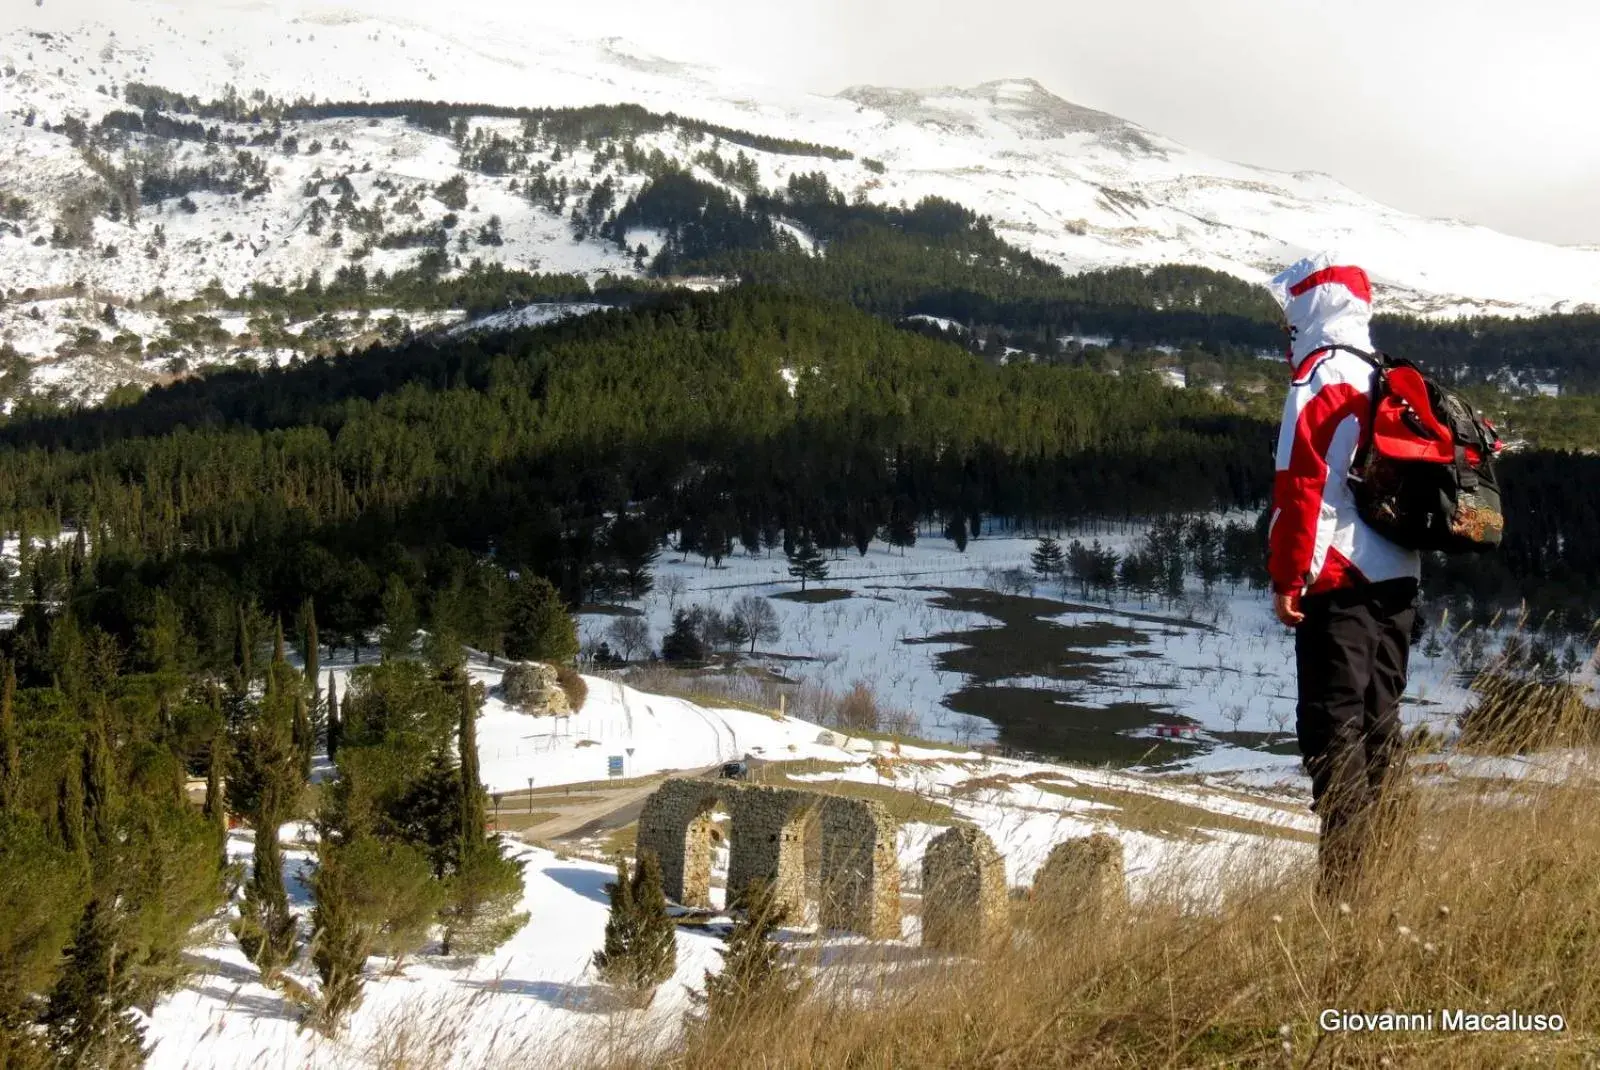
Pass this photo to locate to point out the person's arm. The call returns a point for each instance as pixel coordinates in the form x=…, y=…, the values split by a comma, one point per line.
x=1312, y=413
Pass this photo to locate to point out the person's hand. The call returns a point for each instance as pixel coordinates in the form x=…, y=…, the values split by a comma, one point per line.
x=1287, y=607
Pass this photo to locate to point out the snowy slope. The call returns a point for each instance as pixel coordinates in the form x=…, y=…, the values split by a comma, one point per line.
x=1075, y=186
x=1078, y=186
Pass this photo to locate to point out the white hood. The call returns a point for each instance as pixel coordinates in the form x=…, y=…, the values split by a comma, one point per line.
x=1328, y=302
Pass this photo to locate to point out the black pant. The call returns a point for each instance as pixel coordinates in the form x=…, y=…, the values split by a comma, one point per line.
x=1351, y=653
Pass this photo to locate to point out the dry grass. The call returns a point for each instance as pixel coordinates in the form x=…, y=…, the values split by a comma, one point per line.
x=903, y=805
x=1484, y=897
x=519, y=820
x=1162, y=816
x=761, y=692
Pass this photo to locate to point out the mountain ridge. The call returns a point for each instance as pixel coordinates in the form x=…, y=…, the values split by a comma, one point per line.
x=1079, y=188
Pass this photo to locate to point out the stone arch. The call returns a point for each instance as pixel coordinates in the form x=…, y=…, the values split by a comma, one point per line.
x=860, y=874
x=768, y=844
x=965, y=906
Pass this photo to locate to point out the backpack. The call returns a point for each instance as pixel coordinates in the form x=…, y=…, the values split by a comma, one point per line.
x=1423, y=475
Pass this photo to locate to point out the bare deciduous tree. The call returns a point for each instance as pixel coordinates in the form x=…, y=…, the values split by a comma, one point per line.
x=759, y=619
x=629, y=634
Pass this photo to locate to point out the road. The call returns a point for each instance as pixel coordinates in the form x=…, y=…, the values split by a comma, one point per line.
x=618, y=808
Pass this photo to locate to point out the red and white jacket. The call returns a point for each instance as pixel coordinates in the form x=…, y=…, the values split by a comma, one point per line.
x=1316, y=541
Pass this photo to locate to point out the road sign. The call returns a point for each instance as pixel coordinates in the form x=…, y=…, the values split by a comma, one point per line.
x=614, y=765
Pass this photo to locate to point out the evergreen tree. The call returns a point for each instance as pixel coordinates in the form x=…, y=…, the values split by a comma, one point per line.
x=956, y=530
x=341, y=940
x=399, y=630
x=42, y=888
x=10, y=744
x=754, y=974
x=265, y=788
x=480, y=911
x=70, y=826
x=807, y=562
x=902, y=530
x=1048, y=561
x=683, y=642
x=473, y=818
x=99, y=787
x=539, y=626
x=304, y=735
x=216, y=806
x=640, y=950
x=335, y=724
x=87, y=1017
x=243, y=642
x=313, y=653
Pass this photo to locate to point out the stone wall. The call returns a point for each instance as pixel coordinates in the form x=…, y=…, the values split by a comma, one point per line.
x=965, y=906
x=860, y=875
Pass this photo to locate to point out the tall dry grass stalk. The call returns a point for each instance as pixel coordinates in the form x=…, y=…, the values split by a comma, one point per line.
x=1482, y=896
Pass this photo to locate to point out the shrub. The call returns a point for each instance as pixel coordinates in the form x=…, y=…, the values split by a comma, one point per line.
x=577, y=691
x=858, y=709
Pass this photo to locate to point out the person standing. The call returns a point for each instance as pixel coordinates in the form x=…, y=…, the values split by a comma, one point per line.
x=1348, y=592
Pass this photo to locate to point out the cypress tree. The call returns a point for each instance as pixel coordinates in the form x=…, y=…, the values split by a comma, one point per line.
x=641, y=949
x=69, y=813
x=86, y=1018
x=10, y=746
x=753, y=973
x=340, y=942
x=335, y=725
x=305, y=739
x=277, y=641
x=268, y=783
x=472, y=799
x=241, y=653
x=99, y=792
x=313, y=653
x=216, y=806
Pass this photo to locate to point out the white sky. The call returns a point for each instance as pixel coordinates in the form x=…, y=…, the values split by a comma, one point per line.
x=1487, y=110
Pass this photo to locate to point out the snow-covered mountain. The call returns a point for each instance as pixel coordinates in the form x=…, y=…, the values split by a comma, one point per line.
x=1077, y=187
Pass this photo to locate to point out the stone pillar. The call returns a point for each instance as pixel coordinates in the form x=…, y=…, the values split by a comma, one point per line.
x=1082, y=878
x=676, y=824
x=964, y=903
x=860, y=869
x=768, y=844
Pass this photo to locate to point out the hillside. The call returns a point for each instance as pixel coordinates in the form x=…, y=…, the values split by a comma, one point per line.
x=163, y=155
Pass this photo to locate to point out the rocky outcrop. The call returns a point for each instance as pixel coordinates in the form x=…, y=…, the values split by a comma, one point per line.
x=534, y=688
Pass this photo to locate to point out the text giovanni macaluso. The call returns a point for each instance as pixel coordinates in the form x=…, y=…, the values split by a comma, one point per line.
x=1445, y=1021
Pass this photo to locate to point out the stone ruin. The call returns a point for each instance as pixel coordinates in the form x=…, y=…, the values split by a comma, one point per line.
x=965, y=901
x=965, y=905
x=859, y=873
x=533, y=687
x=1083, y=879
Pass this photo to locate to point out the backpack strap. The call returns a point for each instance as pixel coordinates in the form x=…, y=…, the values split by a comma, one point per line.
x=1379, y=362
